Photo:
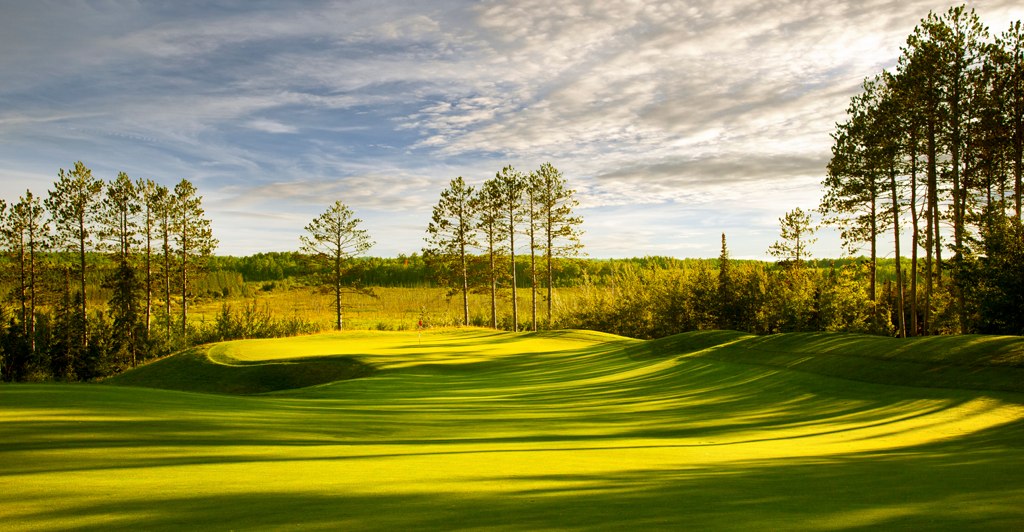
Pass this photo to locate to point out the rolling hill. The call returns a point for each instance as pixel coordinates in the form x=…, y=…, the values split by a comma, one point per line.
x=472, y=428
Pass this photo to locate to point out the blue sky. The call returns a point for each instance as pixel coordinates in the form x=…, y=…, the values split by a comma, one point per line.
x=674, y=121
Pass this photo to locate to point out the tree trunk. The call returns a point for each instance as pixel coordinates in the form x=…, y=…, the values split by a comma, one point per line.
x=494, y=282
x=149, y=273
x=933, y=201
x=915, y=235
x=23, y=283
x=339, y=323
x=548, y=252
x=167, y=276
x=32, y=287
x=873, y=289
x=901, y=318
x=184, y=283
x=533, y=272
x=465, y=283
x=958, y=190
x=81, y=265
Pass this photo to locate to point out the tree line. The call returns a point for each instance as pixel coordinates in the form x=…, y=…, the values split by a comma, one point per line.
x=155, y=240
x=795, y=294
x=933, y=149
x=470, y=242
x=537, y=206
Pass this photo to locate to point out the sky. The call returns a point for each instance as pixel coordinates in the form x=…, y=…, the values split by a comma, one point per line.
x=674, y=121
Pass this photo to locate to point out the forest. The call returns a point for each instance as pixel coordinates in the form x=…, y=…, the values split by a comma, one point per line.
x=99, y=276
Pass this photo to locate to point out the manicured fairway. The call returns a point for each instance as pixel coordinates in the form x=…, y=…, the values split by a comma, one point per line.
x=473, y=429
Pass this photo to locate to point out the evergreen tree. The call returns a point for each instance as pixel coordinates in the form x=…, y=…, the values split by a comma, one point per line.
x=796, y=230
x=726, y=290
x=120, y=229
x=451, y=235
x=533, y=217
x=999, y=277
x=193, y=239
x=487, y=203
x=335, y=238
x=853, y=184
x=1009, y=65
x=559, y=225
x=73, y=208
x=154, y=211
x=512, y=186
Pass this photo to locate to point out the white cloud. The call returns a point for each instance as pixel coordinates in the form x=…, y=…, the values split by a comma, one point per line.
x=270, y=126
x=658, y=106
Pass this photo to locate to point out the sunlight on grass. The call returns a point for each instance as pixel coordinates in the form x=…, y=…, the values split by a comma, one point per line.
x=477, y=429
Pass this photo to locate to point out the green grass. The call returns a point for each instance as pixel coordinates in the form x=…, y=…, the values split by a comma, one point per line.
x=474, y=429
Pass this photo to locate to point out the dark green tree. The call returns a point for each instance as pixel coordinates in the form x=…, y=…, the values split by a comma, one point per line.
x=727, y=313
x=1009, y=66
x=999, y=276
x=119, y=227
x=73, y=208
x=154, y=226
x=193, y=240
x=24, y=235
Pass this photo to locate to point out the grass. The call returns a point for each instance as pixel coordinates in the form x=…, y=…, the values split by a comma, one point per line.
x=474, y=429
x=392, y=308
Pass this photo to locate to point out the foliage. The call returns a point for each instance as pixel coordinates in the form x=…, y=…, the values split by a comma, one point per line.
x=334, y=238
x=939, y=136
x=451, y=235
x=796, y=232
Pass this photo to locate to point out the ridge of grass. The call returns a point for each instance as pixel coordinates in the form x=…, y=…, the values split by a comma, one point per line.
x=968, y=362
x=194, y=370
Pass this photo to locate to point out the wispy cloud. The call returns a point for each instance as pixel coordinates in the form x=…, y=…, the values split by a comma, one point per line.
x=653, y=107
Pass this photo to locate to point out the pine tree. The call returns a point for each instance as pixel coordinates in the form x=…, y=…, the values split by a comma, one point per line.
x=512, y=186
x=727, y=318
x=487, y=203
x=1009, y=52
x=193, y=239
x=451, y=235
x=533, y=217
x=796, y=230
x=154, y=199
x=24, y=235
x=120, y=230
x=335, y=238
x=559, y=225
x=73, y=207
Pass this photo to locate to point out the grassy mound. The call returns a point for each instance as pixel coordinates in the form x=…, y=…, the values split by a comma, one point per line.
x=959, y=362
x=195, y=371
x=475, y=429
x=246, y=367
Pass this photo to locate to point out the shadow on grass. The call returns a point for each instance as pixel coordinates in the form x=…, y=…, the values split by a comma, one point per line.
x=193, y=371
x=931, y=487
x=967, y=362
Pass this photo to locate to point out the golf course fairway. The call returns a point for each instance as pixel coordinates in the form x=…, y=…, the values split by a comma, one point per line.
x=477, y=429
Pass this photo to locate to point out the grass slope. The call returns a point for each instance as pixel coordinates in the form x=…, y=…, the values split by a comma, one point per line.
x=474, y=429
x=962, y=362
x=196, y=370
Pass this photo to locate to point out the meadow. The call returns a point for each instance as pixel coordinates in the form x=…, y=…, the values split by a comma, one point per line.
x=389, y=308
x=479, y=429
